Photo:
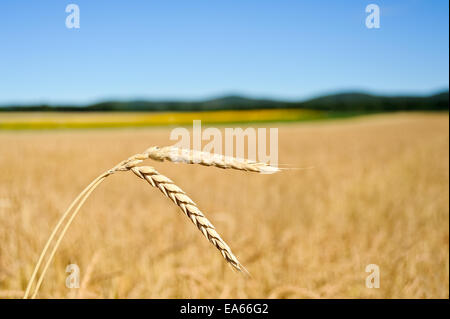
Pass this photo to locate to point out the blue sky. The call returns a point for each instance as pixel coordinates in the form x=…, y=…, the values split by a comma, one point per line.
x=169, y=49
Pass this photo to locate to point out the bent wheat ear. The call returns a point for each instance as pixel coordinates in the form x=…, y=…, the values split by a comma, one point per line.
x=189, y=208
x=174, y=154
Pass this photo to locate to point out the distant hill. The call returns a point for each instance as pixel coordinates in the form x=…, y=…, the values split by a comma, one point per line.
x=366, y=102
x=344, y=102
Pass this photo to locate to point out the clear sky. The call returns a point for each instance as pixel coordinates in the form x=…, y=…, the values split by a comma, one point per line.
x=174, y=49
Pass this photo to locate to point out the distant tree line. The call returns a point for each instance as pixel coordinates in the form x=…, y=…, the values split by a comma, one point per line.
x=344, y=102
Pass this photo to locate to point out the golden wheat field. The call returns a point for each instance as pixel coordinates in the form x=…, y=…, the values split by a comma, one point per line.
x=378, y=193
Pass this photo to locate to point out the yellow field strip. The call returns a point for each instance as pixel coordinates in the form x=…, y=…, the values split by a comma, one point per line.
x=44, y=120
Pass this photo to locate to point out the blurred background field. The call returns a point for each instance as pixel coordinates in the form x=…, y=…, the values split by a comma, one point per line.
x=378, y=194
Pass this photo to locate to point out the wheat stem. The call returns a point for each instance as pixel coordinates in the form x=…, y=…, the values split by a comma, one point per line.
x=52, y=235
x=64, y=230
x=122, y=166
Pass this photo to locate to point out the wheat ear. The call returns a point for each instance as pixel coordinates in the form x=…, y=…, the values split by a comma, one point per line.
x=174, y=154
x=189, y=208
x=168, y=188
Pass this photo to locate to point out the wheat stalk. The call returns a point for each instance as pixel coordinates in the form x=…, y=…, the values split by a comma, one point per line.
x=167, y=187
